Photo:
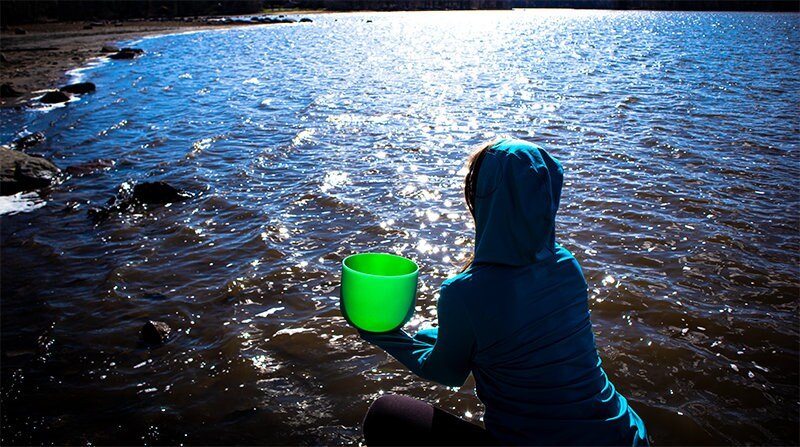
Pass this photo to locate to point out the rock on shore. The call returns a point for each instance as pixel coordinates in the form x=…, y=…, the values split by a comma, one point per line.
x=79, y=88
x=8, y=91
x=23, y=172
x=54, y=97
x=127, y=53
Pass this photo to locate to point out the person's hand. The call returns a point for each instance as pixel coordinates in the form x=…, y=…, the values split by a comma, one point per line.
x=366, y=335
x=374, y=337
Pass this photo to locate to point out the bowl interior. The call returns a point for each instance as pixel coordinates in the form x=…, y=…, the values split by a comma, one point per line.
x=380, y=264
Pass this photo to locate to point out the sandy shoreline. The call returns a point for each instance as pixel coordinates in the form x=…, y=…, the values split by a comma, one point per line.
x=40, y=58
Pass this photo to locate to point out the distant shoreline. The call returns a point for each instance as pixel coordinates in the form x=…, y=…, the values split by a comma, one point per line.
x=39, y=56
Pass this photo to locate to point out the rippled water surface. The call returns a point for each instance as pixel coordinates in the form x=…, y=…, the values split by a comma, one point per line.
x=305, y=143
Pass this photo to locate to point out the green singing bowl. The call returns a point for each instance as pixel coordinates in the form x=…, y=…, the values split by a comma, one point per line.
x=379, y=291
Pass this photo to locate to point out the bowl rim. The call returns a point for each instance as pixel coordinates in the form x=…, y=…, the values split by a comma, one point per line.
x=347, y=267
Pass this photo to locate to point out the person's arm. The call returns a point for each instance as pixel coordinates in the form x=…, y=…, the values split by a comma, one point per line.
x=443, y=354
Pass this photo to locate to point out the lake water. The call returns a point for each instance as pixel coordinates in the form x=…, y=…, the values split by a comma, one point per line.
x=305, y=143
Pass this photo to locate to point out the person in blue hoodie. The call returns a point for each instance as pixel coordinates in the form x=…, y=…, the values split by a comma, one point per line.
x=517, y=318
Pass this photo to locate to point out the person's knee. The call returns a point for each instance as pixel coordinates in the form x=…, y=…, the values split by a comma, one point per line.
x=380, y=409
x=394, y=419
x=383, y=403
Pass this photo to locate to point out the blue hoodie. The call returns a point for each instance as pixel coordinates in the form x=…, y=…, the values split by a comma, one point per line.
x=518, y=318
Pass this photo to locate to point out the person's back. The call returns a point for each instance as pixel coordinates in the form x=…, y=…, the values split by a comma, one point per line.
x=518, y=317
x=536, y=366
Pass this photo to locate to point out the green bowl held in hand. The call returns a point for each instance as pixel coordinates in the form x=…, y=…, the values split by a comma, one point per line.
x=379, y=291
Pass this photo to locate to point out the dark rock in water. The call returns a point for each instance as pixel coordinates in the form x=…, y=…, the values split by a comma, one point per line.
x=3, y=58
x=155, y=332
x=79, y=88
x=87, y=26
x=109, y=49
x=22, y=172
x=54, y=97
x=20, y=31
x=132, y=196
x=117, y=204
x=28, y=141
x=305, y=20
x=158, y=192
x=127, y=53
x=8, y=91
x=90, y=167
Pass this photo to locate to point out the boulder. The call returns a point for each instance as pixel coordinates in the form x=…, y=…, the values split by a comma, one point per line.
x=22, y=172
x=158, y=192
x=134, y=196
x=8, y=91
x=127, y=53
x=133, y=50
x=120, y=55
x=109, y=49
x=79, y=88
x=54, y=97
x=305, y=20
x=155, y=332
x=20, y=31
x=28, y=141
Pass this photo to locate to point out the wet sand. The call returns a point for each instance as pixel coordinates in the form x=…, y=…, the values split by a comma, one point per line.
x=39, y=59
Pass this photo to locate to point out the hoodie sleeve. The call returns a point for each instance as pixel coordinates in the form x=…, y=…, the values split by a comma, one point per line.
x=443, y=354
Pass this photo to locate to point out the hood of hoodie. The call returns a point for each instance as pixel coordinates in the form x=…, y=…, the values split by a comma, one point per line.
x=516, y=200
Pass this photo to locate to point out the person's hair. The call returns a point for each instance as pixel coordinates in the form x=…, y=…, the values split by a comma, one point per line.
x=471, y=186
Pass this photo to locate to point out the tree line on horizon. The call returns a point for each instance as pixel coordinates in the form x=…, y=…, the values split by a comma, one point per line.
x=29, y=11
x=675, y=5
x=32, y=11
